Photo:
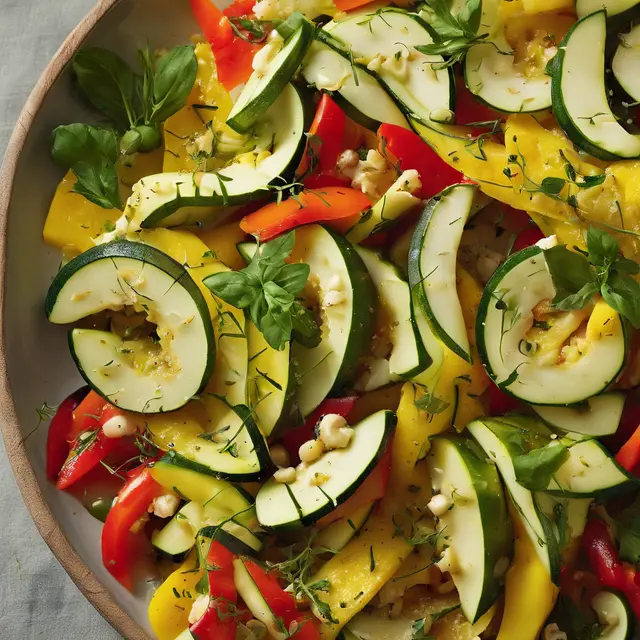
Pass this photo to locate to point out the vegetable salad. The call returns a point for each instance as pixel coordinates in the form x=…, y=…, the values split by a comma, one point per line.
x=353, y=288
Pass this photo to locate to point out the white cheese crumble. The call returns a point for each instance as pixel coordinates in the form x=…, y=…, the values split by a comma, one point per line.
x=282, y=9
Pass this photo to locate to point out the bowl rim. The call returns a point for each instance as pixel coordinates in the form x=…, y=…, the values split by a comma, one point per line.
x=82, y=576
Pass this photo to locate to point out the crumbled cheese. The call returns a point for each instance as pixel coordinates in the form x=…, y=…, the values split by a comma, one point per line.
x=372, y=176
x=448, y=563
x=119, y=426
x=285, y=475
x=120, y=230
x=164, y=506
x=439, y=505
x=552, y=632
x=311, y=450
x=547, y=243
x=333, y=299
x=334, y=432
x=198, y=608
x=282, y=9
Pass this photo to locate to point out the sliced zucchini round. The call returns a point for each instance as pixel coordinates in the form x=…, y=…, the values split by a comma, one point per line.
x=626, y=62
x=264, y=86
x=385, y=41
x=232, y=448
x=329, y=68
x=408, y=356
x=615, y=614
x=347, y=324
x=342, y=471
x=496, y=438
x=597, y=416
x=136, y=375
x=508, y=347
x=477, y=527
x=174, y=199
x=579, y=92
x=432, y=264
x=491, y=76
x=613, y=7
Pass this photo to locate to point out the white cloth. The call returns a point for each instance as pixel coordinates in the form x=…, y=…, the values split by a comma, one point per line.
x=37, y=598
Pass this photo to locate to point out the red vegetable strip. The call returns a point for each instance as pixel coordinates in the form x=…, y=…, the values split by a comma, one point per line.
x=629, y=454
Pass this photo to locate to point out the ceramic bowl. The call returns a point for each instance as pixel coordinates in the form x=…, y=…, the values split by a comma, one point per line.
x=35, y=365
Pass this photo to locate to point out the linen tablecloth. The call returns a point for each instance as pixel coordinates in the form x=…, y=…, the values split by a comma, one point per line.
x=37, y=598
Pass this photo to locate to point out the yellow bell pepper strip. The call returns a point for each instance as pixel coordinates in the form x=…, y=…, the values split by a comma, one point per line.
x=529, y=593
x=168, y=612
x=73, y=221
x=188, y=141
x=222, y=242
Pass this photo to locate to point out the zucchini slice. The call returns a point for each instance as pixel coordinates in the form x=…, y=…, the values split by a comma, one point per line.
x=385, y=41
x=615, y=614
x=195, y=520
x=271, y=384
x=495, y=438
x=516, y=356
x=137, y=375
x=264, y=86
x=477, y=526
x=597, y=416
x=338, y=534
x=174, y=199
x=614, y=7
x=408, y=356
x=347, y=300
x=432, y=264
x=301, y=503
x=626, y=62
x=329, y=68
x=232, y=449
x=579, y=92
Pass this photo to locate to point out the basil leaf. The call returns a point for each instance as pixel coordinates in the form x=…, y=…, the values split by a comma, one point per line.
x=276, y=328
x=626, y=266
x=534, y=470
x=278, y=300
x=293, y=277
x=587, y=182
x=579, y=299
x=257, y=310
x=622, y=294
x=172, y=82
x=603, y=248
x=279, y=249
x=571, y=273
x=108, y=82
x=304, y=328
x=91, y=153
x=234, y=287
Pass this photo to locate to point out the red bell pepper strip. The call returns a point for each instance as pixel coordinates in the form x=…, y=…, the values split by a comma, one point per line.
x=629, y=454
x=372, y=489
x=87, y=415
x=118, y=543
x=293, y=439
x=527, y=238
x=219, y=621
x=91, y=445
x=340, y=207
x=501, y=403
x=469, y=109
x=348, y=5
x=59, y=433
x=233, y=55
x=406, y=150
x=606, y=564
x=282, y=603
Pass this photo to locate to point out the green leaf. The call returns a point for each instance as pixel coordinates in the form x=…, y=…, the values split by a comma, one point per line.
x=431, y=403
x=304, y=328
x=570, y=272
x=628, y=530
x=234, y=287
x=579, y=299
x=277, y=250
x=293, y=277
x=173, y=81
x=534, y=470
x=552, y=186
x=603, y=248
x=622, y=294
x=626, y=266
x=91, y=153
x=108, y=82
x=276, y=328
x=576, y=622
x=588, y=182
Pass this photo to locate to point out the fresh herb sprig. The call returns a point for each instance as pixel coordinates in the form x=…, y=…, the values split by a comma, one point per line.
x=579, y=275
x=453, y=35
x=135, y=105
x=267, y=288
x=628, y=532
